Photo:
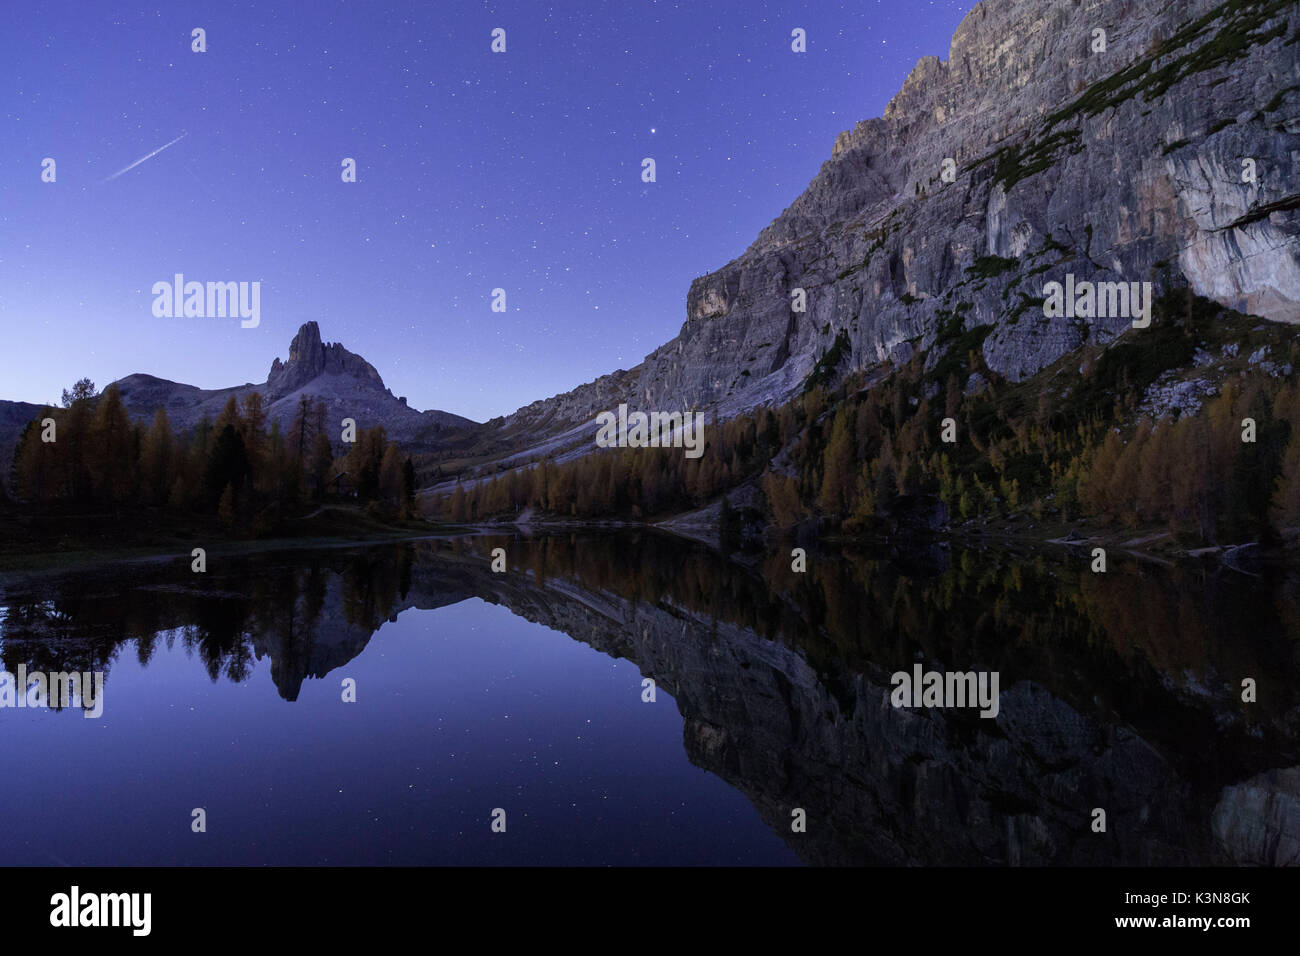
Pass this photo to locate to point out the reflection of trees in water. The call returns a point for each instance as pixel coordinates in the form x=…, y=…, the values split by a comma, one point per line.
x=33, y=632
x=217, y=636
x=260, y=604
x=1122, y=687
x=1124, y=641
x=288, y=613
x=1111, y=697
x=369, y=593
x=1165, y=647
x=853, y=609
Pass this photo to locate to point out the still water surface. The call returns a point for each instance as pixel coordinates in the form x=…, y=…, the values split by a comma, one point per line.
x=524, y=691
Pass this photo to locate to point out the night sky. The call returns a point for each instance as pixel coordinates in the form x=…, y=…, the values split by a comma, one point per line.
x=475, y=171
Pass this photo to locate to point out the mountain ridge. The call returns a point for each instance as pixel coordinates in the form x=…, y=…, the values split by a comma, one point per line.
x=1113, y=165
x=1117, y=160
x=348, y=384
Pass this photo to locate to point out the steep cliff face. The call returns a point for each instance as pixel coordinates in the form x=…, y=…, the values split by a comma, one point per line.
x=1118, y=164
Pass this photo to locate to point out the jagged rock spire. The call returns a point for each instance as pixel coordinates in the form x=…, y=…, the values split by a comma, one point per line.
x=309, y=358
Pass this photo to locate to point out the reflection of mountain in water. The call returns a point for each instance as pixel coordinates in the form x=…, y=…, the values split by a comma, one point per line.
x=1119, y=691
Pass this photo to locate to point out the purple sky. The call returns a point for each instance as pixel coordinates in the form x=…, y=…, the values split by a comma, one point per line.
x=475, y=171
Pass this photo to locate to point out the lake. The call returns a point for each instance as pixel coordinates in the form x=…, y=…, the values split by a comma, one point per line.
x=404, y=703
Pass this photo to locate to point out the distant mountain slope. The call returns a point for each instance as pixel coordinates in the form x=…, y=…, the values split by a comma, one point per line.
x=349, y=385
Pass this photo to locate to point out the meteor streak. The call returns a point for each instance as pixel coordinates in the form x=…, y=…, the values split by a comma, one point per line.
x=127, y=169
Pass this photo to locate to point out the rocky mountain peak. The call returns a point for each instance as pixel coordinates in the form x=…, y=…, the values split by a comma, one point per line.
x=310, y=358
x=323, y=372
x=307, y=347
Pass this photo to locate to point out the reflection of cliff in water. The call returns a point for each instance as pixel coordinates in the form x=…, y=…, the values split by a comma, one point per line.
x=1119, y=691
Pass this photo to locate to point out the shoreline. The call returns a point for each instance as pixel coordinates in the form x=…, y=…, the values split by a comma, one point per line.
x=1149, y=545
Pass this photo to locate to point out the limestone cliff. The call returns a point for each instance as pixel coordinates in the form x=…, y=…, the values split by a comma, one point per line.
x=1118, y=163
